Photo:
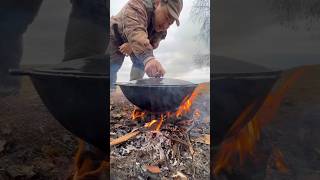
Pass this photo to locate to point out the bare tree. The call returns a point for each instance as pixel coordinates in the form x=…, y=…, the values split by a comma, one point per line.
x=289, y=12
x=200, y=13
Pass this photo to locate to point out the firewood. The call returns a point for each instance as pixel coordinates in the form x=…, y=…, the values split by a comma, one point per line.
x=124, y=138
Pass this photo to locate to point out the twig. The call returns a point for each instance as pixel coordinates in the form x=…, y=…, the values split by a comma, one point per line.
x=124, y=138
x=177, y=140
x=192, y=153
x=189, y=144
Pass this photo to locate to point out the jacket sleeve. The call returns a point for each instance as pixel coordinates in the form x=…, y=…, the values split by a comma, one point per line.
x=135, y=23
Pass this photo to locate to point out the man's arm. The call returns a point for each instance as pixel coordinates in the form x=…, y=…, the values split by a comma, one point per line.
x=135, y=28
x=126, y=49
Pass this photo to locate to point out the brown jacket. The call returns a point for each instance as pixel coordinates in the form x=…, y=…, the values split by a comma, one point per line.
x=136, y=26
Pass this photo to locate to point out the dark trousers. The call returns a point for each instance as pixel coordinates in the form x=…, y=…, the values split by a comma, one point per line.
x=15, y=16
x=87, y=30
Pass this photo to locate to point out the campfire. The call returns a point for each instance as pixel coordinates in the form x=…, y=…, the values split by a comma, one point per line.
x=154, y=120
x=163, y=139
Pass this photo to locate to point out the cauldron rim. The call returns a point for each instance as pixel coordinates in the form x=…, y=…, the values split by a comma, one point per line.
x=158, y=83
x=34, y=71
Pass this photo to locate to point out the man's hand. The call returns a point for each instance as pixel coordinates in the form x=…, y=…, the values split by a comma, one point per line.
x=153, y=68
x=125, y=49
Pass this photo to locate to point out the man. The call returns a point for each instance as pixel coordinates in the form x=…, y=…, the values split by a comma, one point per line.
x=135, y=31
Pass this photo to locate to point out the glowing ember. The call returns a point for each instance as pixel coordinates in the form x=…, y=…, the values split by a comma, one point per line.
x=196, y=114
x=242, y=138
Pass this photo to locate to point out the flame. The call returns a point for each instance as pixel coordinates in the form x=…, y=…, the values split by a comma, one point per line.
x=279, y=161
x=84, y=167
x=187, y=102
x=137, y=114
x=160, y=123
x=242, y=142
x=183, y=108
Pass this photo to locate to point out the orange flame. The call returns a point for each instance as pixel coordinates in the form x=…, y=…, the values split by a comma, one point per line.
x=137, y=114
x=183, y=108
x=187, y=102
x=243, y=139
x=279, y=161
x=160, y=123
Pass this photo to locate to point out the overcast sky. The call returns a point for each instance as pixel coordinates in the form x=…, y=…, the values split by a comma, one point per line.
x=245, y=30
x=44, y=42
x=249, y=30
x=176, y=51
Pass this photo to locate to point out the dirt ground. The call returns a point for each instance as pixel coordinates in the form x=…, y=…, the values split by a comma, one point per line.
x=33, y=145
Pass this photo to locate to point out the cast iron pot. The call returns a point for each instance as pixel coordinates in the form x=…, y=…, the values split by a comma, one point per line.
x=157, y=94
x=75, y=92
x=232, y=94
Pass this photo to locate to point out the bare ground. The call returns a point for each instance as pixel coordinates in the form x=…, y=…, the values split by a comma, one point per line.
x=33, y=145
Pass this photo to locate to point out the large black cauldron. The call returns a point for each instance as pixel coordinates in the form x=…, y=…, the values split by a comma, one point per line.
x=235, y=85
x=157, y=94
x=76, y=93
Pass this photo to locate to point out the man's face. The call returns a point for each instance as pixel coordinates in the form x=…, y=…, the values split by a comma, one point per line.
x=163, y=19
